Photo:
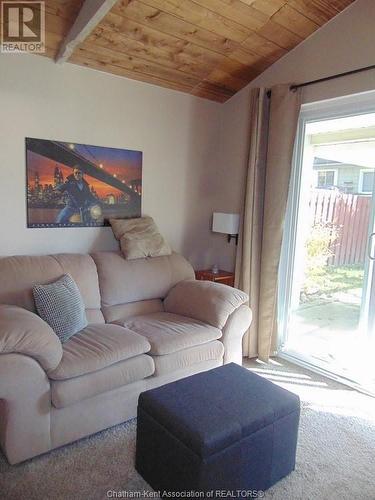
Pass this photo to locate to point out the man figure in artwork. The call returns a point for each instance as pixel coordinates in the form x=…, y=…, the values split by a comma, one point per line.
x=79, y=196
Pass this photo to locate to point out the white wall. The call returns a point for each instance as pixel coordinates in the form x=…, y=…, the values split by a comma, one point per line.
x=194, y=150
x=178, y=134
x=347, y=42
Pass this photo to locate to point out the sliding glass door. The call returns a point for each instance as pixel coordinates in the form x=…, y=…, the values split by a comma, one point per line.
x=327, y=283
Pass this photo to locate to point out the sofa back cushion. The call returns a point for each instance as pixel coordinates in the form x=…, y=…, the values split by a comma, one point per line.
x=121, y=312
x=145, y=280
x=18, y=275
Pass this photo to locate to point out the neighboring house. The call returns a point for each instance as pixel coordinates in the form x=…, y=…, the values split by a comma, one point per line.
x=346, y=177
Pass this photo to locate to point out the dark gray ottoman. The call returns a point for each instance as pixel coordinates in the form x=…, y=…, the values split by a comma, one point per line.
x=224, y=429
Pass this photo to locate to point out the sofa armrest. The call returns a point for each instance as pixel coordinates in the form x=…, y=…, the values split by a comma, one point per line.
x=206, y=301
x=235, y=328
x=23, y=332
x=25, y=408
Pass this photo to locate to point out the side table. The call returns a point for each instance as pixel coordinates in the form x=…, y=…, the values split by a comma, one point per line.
x=225, y=277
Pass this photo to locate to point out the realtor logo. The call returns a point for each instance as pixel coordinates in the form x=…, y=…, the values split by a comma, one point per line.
x=22, y=27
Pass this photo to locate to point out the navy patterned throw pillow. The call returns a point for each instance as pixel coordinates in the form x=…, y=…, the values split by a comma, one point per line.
x=60, y=304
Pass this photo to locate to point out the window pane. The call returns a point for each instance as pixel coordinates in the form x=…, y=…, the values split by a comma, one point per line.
x=368, y=181
x=330, y=178
x=326, y=178
x=321, y=179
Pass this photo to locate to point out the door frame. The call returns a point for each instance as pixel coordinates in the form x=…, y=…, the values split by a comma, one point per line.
x=341, y=107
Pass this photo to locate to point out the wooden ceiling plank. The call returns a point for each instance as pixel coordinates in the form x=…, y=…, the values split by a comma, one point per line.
x=131, y=66
x=106, y=67
x=197, y=15
x=52, y=41
x=236, y=11
x=182, y=50
x=262, y=46
x=226, y=80
x=265, y=6
x=238, y=69
x=165, y=55
x=208, y=91
x=295, y=22
x=153, y=37
x=232, y=80
x=214, y=88
x=257, y=64
x=155, y=46
x=165, y=23
x=244, y=56
x=138, y=64
x=312, y=10
x=280, y=35
x=169, y=24
x=319, y=11
x=58, y=25
x=340, y=5
x=90, y=15
x=64, y=10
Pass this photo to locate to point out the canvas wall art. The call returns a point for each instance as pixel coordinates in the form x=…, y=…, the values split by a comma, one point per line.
x=78, y=185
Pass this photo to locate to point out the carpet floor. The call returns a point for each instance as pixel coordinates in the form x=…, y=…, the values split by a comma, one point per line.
x=335, y=456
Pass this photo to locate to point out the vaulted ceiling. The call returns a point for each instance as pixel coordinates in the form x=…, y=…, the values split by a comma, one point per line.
x=208, y=48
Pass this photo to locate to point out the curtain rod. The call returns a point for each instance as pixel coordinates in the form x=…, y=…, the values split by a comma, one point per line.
x=327, y=78
x=332, y=77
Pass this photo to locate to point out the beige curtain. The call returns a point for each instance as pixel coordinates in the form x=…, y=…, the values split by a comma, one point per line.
x=273, y=125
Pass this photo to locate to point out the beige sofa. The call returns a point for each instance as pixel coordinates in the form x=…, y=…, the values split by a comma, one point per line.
x=150, y=322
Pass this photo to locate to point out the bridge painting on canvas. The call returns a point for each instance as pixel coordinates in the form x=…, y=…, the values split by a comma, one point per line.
x=77, y=185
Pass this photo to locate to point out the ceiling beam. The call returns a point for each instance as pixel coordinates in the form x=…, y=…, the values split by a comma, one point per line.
x=90, y=15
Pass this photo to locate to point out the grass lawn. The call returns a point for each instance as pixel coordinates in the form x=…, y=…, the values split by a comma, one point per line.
x=325, y=281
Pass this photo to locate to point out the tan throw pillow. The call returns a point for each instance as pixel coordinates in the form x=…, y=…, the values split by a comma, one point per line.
x=139, y=238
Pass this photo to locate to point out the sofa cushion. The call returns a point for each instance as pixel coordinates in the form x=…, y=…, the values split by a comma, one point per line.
x=169, y=333
x=20, y=273
x=120, y=313
x=124, y=281
x=96, y=347
x=83, y=270
x=188, y=357
x=67, y=392
x=60, y=305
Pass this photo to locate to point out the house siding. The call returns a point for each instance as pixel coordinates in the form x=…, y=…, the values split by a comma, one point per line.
x=347, y=176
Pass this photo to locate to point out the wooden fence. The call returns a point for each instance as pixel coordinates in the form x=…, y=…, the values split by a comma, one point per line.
x=348, y=215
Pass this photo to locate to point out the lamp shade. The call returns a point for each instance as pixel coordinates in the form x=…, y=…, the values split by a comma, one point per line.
x=225, y=223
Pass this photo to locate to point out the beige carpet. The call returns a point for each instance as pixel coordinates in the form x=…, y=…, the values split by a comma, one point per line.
x=335, y=458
